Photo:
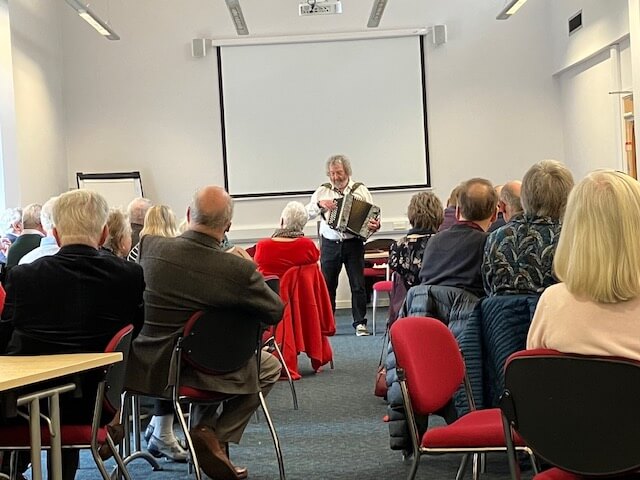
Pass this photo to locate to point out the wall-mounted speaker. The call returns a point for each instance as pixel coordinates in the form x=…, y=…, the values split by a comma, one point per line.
x=439, y=34
x=198, y=47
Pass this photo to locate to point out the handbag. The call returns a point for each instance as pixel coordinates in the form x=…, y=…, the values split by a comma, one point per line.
x=380, y=387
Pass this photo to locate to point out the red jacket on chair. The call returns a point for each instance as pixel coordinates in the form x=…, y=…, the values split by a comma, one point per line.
x=308, y=318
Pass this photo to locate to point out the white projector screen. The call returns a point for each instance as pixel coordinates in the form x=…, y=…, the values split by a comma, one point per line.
x=286, y=108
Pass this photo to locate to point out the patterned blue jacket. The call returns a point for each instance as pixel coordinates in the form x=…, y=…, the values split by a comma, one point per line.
x=518, y=257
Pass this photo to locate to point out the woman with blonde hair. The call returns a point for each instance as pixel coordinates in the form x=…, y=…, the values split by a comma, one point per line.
x=595, y=310
x=159, y=220
x=161, y=441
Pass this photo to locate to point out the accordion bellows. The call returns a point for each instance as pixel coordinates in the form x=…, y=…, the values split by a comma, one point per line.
x=352, y=215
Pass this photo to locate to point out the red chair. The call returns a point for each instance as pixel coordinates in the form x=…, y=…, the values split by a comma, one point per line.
x=195, y=349
x=579, y=413
x=430, y=368
x=16, y=437
x=384, y=286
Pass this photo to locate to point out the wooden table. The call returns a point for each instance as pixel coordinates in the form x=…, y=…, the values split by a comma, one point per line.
x=22, y=371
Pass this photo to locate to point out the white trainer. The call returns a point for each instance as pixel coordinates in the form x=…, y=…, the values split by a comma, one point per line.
x=172, y=451
x=361, y=330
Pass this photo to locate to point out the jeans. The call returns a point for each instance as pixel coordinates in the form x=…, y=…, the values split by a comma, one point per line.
x=350, y=253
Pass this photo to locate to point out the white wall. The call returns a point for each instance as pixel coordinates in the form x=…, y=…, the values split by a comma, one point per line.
x=37, y=76
x=8, y=137
x=604, y=23
x=587, y=70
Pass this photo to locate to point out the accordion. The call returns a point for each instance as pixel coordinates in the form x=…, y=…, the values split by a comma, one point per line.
x=352, y=215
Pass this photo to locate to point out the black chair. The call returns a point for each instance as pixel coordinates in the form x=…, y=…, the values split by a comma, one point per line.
x=578, y=413
x=108, y=397
x=242, y=341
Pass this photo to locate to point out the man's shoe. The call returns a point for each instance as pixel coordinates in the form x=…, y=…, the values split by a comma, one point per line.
x=148, y=432
x=116, y=432
x=172, y=451
x=211, y=456
x=361, y=330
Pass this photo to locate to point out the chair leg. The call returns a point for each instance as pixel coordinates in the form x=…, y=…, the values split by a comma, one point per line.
x=463, y=467
x=185, y=429
x=294, y=396
x=414, y=465
x=274, y=435
x=476, y=466
x=132, y=401
x=373, y=314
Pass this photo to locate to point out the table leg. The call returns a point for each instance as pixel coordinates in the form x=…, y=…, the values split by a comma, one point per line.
x=56, y=441
x=36, y=441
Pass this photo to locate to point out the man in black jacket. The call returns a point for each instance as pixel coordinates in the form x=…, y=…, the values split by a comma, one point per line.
x=71, y=302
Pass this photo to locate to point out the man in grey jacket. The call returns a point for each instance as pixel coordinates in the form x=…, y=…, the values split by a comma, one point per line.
x=191, y=273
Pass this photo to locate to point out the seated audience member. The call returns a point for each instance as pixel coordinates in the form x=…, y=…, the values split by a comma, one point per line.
x=518, y=258
x=191, y=273
x=32, y=233
x=450, y=212
x=48, y=244
x=595, y=310
x=499, y=221
x=14, y=229
x=405, y=255
x=118, y=241
x=453, y=257
x=73, y=301
x=287, y=247
x=159, y=220
x=136, y=211
x=161, y=440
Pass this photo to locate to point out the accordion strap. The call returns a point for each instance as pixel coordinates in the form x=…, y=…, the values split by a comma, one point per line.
x=353, y=189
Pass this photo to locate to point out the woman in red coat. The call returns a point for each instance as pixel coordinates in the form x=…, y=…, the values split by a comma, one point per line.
x=287, y=247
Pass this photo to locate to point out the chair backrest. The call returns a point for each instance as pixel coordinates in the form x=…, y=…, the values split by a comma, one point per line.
x=220, y=341
x=121, y=342
x=579, y=413
x=379, y=244
x=433, y=366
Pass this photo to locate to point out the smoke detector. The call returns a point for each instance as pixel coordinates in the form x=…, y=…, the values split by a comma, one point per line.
x=319, y=7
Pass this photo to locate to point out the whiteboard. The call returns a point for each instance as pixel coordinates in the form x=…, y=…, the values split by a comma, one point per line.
x=286, y=108
x=118, y=188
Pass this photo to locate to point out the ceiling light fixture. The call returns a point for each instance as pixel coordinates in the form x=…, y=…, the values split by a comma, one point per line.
x=237, y=16
x=510, y=8
x=376, y=13
x=92, y=19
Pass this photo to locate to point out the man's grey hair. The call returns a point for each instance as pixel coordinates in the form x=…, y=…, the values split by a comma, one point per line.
x=294, y=216
x=509, y=196
x=137, y=209
x=340, y=160
x=545, y=189
x=46, y=218
x=79, y=216
x=211, y=219
x=31, y=216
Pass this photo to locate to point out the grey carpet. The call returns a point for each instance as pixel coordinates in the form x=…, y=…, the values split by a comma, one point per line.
x=337, y=433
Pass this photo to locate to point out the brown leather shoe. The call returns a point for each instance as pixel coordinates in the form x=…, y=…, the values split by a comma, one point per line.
x=116, y=432
x=211, y=456
x=241, y=472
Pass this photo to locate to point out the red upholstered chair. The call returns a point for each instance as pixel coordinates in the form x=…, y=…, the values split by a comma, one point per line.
x=229, y=353
x=384, y=286
x=579, y=413
x=16, y=437
x=430, y=369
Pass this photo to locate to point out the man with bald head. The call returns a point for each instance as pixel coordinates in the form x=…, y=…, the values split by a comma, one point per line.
x=191, y=273
x=508, y=203
x=137, y=210
x=453, y=257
